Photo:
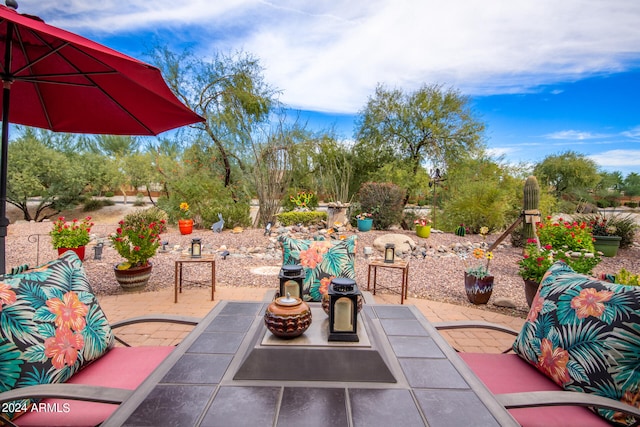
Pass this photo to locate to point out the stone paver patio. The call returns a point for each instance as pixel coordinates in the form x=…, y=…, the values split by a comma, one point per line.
x=195, y=301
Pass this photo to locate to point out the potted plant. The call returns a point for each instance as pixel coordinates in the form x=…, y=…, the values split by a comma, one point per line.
x=605, y=237
x=478, y=281
x=185, y=223
x=365, y=221
x=537, y=259
x=423, y=227
x=136, y=239
x=72, y=236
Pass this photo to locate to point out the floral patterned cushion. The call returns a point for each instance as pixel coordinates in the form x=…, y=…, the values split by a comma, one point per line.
x=50, y=326
x=322, y=260
x=584, y=334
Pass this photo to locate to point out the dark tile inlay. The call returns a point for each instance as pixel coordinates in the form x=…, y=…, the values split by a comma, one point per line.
x=452, y=408
x=241, y=309
x=168, y=405
x=403, y=327
x=217, y=342
x=415, y=347
x=432, y=373
x=393, y=312
x=400, y=409
x=243, y=406
x=198, y=369
x=230, y=324
x=313, y=407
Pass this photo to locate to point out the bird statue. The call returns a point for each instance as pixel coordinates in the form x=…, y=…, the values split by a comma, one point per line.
x=218, y=226
x=267, y=229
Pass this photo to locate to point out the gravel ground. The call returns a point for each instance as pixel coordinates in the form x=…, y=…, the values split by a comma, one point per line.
x=255, y=259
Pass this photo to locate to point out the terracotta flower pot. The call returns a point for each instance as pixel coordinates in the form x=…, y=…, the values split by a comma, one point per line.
x=185, y=225
x=478, y=290
x=80, y=250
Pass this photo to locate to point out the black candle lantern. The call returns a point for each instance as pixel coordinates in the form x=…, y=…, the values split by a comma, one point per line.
x=343, y=310
x=196, y=247
x=291, y=280
x=389, y=253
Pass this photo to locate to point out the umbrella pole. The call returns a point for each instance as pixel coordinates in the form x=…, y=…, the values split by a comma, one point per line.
x=4, y=149
x=4, y=221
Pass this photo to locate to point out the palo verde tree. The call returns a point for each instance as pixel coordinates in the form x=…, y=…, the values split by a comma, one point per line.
x=229, y=91
x=431, y=125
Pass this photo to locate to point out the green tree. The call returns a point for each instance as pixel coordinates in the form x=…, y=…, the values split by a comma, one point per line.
x=631, y=185
x=36, y=170
x=569, y=175
x=230, y=93
x=432, y=125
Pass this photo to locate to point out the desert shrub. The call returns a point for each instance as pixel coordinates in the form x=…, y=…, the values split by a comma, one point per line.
x=631, y=205
x=91, y=205
x=624, y=224
x=139, y=200
x=235, y=214
x=301, y=217
x=109, y=194
x=517, y=238
x=384, y=201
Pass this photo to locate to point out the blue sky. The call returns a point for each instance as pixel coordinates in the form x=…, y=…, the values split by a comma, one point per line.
x=546, y=76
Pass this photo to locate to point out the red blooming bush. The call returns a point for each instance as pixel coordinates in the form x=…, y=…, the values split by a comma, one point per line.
x=70, y=234
x=565, y=235
x=137, y=238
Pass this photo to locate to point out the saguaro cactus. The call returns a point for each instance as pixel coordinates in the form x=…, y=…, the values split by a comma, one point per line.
x=531, y=202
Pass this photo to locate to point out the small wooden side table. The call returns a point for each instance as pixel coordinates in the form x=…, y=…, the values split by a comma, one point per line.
x=185, y=259
x=397, y=264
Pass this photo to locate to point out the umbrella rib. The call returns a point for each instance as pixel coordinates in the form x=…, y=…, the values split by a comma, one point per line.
x=87, y=75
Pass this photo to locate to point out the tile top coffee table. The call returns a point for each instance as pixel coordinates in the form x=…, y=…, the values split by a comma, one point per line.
x=215, y=377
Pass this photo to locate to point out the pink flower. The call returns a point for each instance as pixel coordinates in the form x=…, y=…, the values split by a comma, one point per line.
x=553, y=361
x=7, y=295
x=70, y=311
x=590, y=302
x=63, y=347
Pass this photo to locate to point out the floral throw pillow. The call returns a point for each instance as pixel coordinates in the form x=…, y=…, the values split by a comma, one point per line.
x=50, y=326
x=584, y=334
x=322, y=260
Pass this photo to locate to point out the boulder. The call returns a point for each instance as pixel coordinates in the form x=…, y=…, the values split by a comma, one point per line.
x=404, y=244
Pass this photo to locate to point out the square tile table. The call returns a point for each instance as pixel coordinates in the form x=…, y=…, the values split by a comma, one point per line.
x=199, y=385
x=187, y=259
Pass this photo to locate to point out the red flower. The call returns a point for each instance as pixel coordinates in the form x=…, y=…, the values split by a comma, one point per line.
x=136, y=248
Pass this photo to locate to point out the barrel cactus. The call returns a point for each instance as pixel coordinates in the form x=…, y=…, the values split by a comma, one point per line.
x=461, y=230
x=531, y=202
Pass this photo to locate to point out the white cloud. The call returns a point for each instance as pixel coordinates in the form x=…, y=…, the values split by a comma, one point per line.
x=329, y=55
x=618, y=159
x=632, y=133
x=573, y=135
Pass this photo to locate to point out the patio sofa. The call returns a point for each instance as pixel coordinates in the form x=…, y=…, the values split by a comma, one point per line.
x=58, y=361
x=576, y=361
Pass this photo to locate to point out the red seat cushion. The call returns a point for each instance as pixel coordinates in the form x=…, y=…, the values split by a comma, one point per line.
x=121, y=367
x=508, y=373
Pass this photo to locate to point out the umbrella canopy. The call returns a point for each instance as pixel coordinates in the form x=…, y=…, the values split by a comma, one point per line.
x=57, y=80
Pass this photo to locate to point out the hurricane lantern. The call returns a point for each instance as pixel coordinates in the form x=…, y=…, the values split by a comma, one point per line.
x=196, y=247
x=343, y=310
x=389, y=253
x=291, y=280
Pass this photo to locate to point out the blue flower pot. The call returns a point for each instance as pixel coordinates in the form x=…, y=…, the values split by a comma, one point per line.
x=365, y=224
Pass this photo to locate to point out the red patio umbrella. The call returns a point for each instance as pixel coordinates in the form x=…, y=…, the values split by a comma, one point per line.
x=60, y=81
